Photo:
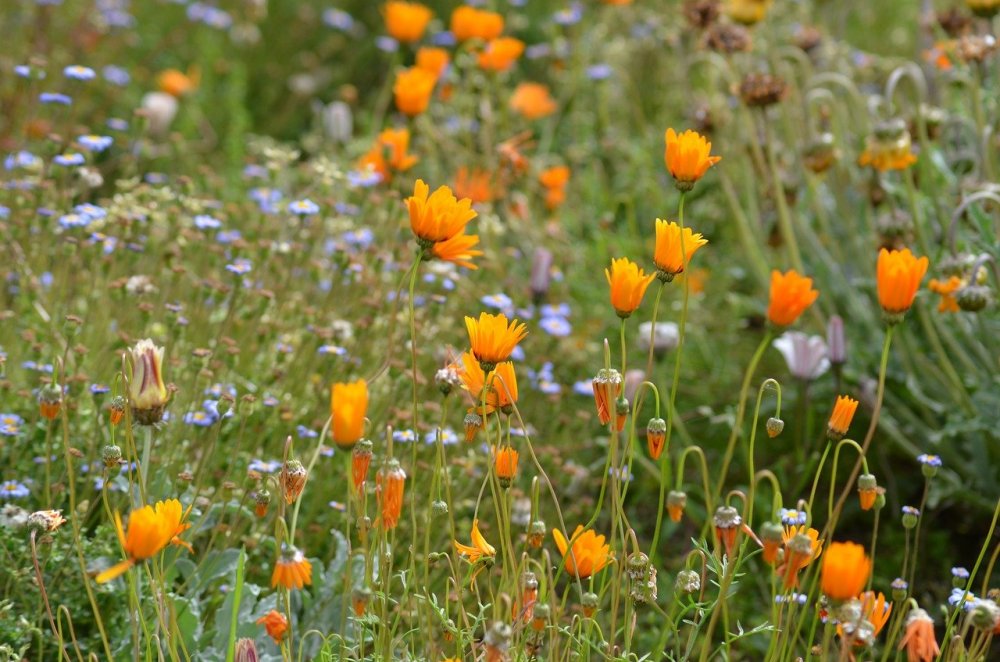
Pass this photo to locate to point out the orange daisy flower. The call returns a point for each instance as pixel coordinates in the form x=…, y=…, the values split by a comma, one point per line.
x=845, y=570
x=628, y=285
x=493, y=338
x=475, y=184
x=668, y=256
x=501, y=53
x=479, y=550
x=348, y=407
x=688, y=157
x=590, y=552
x=433, y=60
x=177, y=83
x=472, y=23
x=532, y=101
x=791, y=294
x=437, y=216
x=412, y=90
x=459, y=250
x=840, y=419
x=406, y=21
x=150, y=529
x=898, y=274
x=275, y=624
x=802, y=547
x=505, y=464
x=292, y=570
x=919, y=640
x=389, y=154
x=947, y=289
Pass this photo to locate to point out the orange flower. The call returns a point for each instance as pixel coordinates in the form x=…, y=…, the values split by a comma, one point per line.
x=390, y=483
x=348, y=406
x=503, y=381
x=176, y=83
x=802, y=547
x=472, y=23
x=607, y=387
x=275, y=624
x=628, y=285
x=479, y=550
x=150, y=529
x=688, y=157
x=840, y=419
x=876, y=609
x=475, y=184
x=292, y=570
x=389, y=154
x=459, y=249
x=413, y=89
x=532, y=101
x=589, y=552
x=361, y=459
x=845, y=570
x=493, y=338
x=791, y=294
x=669, y=257
x=898, y=274
x=947, y=289
x=554, y=180
x=406, y=21
x=437, y=216
x=919, y=641
x=505, y=463
x=474, y=380
x=501, y=53
x=432, y=59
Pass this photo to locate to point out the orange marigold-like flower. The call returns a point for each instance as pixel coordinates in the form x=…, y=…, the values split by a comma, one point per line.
x=669, y=256
x=473, y=23
x=389, y=154
x=412, y=90
x=493, y=338
x=876, y=609
x=150, y=529
x=590, y=553
x=479, y=550
x=406, y=21
x=505, y=462
x=292, y=570
x=802, y=547
x=390, y=483
x=275, y=624
x=532, y=101
x=177, y=83
x=348, y=407
x=501, y=53
x=476, y=184
x=433, y=59
x=628, y=285
x=503, y=381
x=688, y=157
x=947, y=289
x=919, y=640
x=845, y=570
x=840, y=419
x=554, y=180
x=459, y=250
x=791, y=294
x=437, y=216
x=607, y=387
x=898, y=274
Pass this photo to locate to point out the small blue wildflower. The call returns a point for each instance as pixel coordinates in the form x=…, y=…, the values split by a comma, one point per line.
x=284, y=348
x=92, y=211
x=199, y=418
x=517, y=354
x=270, y=401
x=254, y=171
x=622, y=474
x=445, y=39
x=346, y=209
x=155, y=178
x=555, y=326
x=95, y=143
x=584, y=387
x=361, y=238
x=448, y=437
x=499, y=301
x=4, y=212
x=569, y=16
x=69, y=159
x=116, y=75
x=800, y=598
x=960, y=596
x=792, y=517
x=338, y=19
x=929, y=460
x=334, y=350
x=304, y=207
x=386, y=44
x=12, y=489
x=55, y=97
x=228, y=236
x=910, y=510
x=337, y=505
x=537, y=51
x=74, y=220
x=22, y=159
x=404, y=436
x=958, y=572
x=264, y=467
x=363, y=178
x=217, y=390
x=79, y=72
x=326, y=451
x=11, y=419
x=117, y=124
x=22, y=70
x=206, y=222
x=240, y=267
x=548, y=310
x=599, y=71
x=99, y=389
x=306, y=433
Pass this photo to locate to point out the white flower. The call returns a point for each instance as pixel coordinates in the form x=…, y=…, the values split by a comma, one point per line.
x=160, y=109
x=805, y=355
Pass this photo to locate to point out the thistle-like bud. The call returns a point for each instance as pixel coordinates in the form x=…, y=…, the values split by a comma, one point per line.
x=772, y=535
x=116, y=409
x=621, y=408
x=473, y=424
x=589, y=603
x=293, y=480
x=50, y=399
x=727, y=522
x=148, y=395
x=536, y=533
x=676, y=502
x=973, y=298
x=262, y=500
x=540, y=617
x=637, y=565
x=867, y=491
x=439, y=507
x=687, y=582
x=656, y=434
x=497, y=640
x=111, y=456
x=774, y=427
x=985, y=614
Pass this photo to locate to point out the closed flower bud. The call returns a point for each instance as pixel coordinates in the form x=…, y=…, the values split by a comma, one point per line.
x=116, y=410
x=820, y=155
x=959, y=577
x=589, y=603
x=473, y=424
x=656, y=434
x=637, y=565
x=361, y=459
x=621, y=408
x=360, y=598
x=111, y=456
x=643, y=589
x=541, y=267
x=836, y=343
x=867, y=491
x=985, y=614
x=774, y=427
x=147, y=393
x=900, y=587
x=390, y=483
x=439, y=507
x=262, y=500
x=880, y=498
x=497, y=640
x=929, y=464
x=246, y=651
x=540, y=617
x=536, y=533
x=910, y=517
x=607, y=387
x=727, y=522
x=687, y=582
x=50, y=401
x=293, y=480
x=676, y=502
x=973, y=298
x=772, y=535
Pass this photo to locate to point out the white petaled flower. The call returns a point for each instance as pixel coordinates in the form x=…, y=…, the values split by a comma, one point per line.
x=160, y=109
x=665, y=336
x=805, y=355
x=147, y=393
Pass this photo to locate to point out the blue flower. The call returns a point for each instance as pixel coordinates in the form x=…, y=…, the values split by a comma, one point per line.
x=79, y=72
x=929, y=460
x=228, y=236
x=962, y=597
x=217, y=390
x=199, y=418
x=12, y=489
x=568, y=16
x=74, y=220
x=599, y=71
x=117, y=124
x=446, y=38
x=22, y=70
x=270, y=401
x=555, y=326
x=304, y=207
x=99, y=389
x=260, y=466
x=792, y=517
x=498, y=301
x=55, y=97
x=240, y=266
x=206, y=222
x=363, y=179
x=306, y=433
x=448, y=437
x=22, y=159
x=332, y=349
x=959, y=572
x=584, y=387
x=92, y=211
x=69, y=159
x=404, y=436
x=338, y=19
x=4, y=211
x=254, y=171
x=95, y=143
x=116, y=75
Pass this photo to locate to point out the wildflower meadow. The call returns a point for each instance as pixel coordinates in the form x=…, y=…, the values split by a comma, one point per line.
x=499, y=331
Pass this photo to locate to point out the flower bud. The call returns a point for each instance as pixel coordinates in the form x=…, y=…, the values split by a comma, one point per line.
x=293, y=480
x=774, y=427
x=900, y=587
x=246, y=651
x=973, y=298
x=541, y=267
x=687, y=582
x=447, y=379
x=540, y=617
x=50, y=399
x=959, y=577
x=676, y=502
x=984, y=614
x=867, y=491
x=836, y=343
x=116, y=409
x=929, y=464
x=536, y=533
x=361, y=459
x=656, y=434
x=772, y=535
x=497, y=640
x=111, y=455
x=439, y=507
x=727, y=523
x=637, y=565
x=910, y=517
x=589, y=602
x=473, y=424
x=360, y=598
x=262, y=500
x=147, y=394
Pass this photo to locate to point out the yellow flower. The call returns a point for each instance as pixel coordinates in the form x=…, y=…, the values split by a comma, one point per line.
x=748, y=12
x=437, y=216
x=688, y=157
x=348, y=407
x=628, y=285
x=791, y=294
x=406, y=21
x=845, y=570
x=493, y=338
x=590, y=553
x=669, y=258
x=898, y=274
x=802, y=547
x=150, y=529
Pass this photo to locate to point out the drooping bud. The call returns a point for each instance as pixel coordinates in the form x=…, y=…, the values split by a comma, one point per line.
x=293, y=480
x=772, y=535
x=360, y=598
x=505, y=463
x=116, y=409
x=536, y=533
x=589, y=603
x=774, y=427
x=390, y=483
x=867, y=491
x=656, y=434
x=541, y=268
x=50, y=399
x=637, y=565
x=262, y=501
x=687, y=582
x=607, y=388
x=973, y=298
x=497, y=641
x=111, y=456
x=447, y=379
x=540, y=617
x=836, y=343
x=727, y=522
x=473, y=424
x=676, y=502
